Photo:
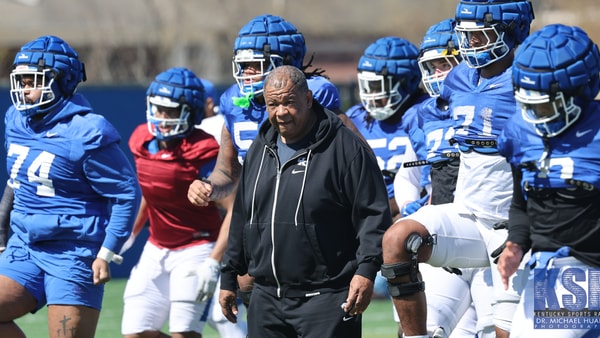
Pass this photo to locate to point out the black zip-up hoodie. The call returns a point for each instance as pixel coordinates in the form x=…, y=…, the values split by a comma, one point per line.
x=310, y=224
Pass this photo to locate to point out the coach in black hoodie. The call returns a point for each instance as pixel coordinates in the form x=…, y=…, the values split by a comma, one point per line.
x=309, y=215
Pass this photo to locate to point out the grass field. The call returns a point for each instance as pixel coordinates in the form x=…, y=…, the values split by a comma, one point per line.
x=377, y=320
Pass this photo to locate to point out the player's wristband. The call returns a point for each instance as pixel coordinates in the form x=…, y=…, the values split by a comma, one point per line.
x=105, y=254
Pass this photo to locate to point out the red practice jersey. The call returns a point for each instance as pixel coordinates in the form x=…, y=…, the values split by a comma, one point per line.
x=164, y=179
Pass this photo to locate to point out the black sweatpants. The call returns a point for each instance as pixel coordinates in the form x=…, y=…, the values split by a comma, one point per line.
x=319, y=316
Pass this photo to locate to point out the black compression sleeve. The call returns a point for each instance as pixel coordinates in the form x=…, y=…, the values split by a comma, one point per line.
x=518, y=221
x=6, y=205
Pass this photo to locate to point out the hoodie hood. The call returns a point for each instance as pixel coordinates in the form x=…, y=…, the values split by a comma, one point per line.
x=76, y=105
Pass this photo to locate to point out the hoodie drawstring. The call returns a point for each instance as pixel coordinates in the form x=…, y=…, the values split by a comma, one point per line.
x=302, y=190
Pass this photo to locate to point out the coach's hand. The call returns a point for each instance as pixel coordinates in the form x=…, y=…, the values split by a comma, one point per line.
x=412, y=207
x=228, y=302
x=359, y=295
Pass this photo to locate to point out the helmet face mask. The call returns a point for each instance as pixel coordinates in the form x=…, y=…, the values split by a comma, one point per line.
x=550, y=114
x=438, y=54
x=25, y=81
x=175, y=102
x=434, y=69
x=167, y=119
x=555, y=74
x=487, y=30
x=490, y=43
x=270, y=40
x=50, y=64
x=379, y=94
x=251, y=82
x=388, y=74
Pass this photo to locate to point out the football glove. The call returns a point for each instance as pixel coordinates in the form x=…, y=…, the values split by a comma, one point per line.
x=207, y=274
x=412, y=207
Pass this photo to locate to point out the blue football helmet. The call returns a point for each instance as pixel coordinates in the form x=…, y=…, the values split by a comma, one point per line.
x=496, y=26
x=49, y=64
x=180, y=91
x=266, y=42
x=555, y=72
x=438, y=54
x=388, y=74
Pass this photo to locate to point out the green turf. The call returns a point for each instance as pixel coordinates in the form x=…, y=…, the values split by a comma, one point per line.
x=377, y=321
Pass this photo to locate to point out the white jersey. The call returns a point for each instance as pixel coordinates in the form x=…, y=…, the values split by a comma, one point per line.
x=480, y=108
x=484, y=185
x=213, y=125
x=407, y=183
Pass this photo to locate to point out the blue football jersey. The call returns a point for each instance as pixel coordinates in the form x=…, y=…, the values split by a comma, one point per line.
x=479, y=106
x=564, y=161
x=388, y=141
x=69, y=163
x=437, y=125
x=243, y=123
x=431, y=140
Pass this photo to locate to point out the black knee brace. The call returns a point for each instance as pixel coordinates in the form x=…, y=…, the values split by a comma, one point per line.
x=391, y=271
x=411, y=268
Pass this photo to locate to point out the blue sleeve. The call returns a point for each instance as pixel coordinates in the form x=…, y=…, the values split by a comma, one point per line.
x=111, y=175
x=226, y=106
x=207, y=169
x=325, y=92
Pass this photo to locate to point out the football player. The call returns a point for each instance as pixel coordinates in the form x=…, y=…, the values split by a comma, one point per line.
x=179, y=257
x=552, y=145
x=388, y=83
x=463, y=234
x=449, y=310
x=75, y=194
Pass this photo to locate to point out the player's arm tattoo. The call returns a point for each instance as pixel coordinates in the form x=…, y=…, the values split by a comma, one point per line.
x=227, y=170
